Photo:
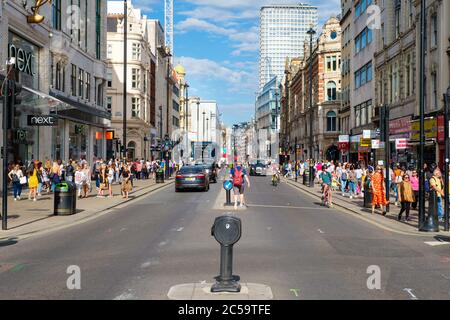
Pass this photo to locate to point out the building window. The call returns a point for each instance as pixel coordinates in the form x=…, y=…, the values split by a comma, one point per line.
x=73, y=80
x=136, y=51
x=435, y=93
x=331, y=91
x=397, y=18
x=176, y=106
x=434, y=36
x=363, y=39
x=175, y=122
x=98, y=28
x=331, y=121
x=56, y=16
x=88, y=86
x=59, y=79
x=135, y=107
x=109, y=104
x=363, y=75
x=135, y=78
x=109, y=78
x=81, y=82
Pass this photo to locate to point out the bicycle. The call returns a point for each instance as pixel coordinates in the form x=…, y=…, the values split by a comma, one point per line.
x=326, y=196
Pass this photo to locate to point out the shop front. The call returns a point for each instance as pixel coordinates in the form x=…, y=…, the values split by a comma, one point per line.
x=402, y=151
x=431, y=152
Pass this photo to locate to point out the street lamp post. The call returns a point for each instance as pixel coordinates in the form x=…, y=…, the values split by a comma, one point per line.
x=276, y=121
x=161, y=132
x=295, y=166
x=203, y=134
x=186, y=116
x=447, y=158
x=125, y=53
x=311, y=33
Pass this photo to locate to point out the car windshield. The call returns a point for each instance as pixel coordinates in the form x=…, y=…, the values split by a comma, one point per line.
x=187, y=170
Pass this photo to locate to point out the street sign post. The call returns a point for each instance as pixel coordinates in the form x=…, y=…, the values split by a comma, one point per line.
x=228, y=186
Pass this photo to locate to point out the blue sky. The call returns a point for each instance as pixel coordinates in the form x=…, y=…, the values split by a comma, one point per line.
x=217, y=43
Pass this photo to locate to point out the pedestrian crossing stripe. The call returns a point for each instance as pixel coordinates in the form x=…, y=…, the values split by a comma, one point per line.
x=437, y=243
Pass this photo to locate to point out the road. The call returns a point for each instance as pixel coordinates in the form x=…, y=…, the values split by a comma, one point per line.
x=289, y=242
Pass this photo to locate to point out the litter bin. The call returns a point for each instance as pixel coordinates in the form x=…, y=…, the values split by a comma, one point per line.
x=306, y=177
x=160, y=176
x=65, y=199
x=367, y=194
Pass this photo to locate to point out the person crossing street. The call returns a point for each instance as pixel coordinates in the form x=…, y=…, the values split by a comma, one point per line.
x=239, y=176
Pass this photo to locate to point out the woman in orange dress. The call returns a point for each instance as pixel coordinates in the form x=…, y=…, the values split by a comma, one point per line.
x=378, y=190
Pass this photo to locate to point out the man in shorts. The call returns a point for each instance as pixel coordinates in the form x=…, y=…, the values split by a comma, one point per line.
x=239, y=176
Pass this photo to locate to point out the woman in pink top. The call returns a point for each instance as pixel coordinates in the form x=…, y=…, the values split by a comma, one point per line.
x=415, y=186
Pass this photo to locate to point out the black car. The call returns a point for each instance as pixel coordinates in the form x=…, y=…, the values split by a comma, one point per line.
x=211, y=169
x=192, y=177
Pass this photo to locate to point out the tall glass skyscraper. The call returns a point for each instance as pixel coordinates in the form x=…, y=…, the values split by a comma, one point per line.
x=282, y=33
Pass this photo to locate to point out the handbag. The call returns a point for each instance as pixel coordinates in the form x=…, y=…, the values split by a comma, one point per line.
x=23, y=180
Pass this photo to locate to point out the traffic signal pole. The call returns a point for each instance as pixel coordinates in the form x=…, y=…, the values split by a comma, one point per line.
x=5, y=156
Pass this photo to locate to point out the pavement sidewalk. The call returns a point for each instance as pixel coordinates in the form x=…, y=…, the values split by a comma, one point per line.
x=26, y=217
x=355, y=206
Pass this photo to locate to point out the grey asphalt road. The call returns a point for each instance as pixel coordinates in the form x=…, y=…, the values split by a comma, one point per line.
x=289, y=242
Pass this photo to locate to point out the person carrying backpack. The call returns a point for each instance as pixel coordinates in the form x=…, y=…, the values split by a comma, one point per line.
x=239, y=176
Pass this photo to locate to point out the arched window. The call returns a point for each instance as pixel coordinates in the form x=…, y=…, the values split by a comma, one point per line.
x=331, y=121
x=331, y=91
x=131, y=150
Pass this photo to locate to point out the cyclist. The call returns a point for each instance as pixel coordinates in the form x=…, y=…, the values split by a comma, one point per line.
x=326, y=180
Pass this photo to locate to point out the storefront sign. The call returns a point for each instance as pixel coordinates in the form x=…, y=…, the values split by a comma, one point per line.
x=441, y=128
x=376, y=144
x=42, y=121
x=366, y=142
x=399, y=126
x=344, y=146
x=430, y=129
x=401, y=144
x=24, y=59
x=367, y=134
x=344, y=138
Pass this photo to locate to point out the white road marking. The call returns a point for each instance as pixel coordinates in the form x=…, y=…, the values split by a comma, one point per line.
x=282, y=207
x=162, y=244
x=320, y=231
x=123, y=229
x=448, y=278
x=125, y=296
x=151, y=262
x=437, y=243
x=413, y=297
x=180, y=229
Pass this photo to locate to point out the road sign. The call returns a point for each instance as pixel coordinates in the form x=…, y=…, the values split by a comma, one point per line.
x=228, y=185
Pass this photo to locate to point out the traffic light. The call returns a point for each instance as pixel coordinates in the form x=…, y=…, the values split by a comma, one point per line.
x=13, y=91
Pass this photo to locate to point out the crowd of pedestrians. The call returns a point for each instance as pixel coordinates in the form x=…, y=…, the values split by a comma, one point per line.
x=349, y=179
x=43, y=177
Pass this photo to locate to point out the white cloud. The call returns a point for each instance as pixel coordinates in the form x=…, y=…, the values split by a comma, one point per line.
x=235, y=79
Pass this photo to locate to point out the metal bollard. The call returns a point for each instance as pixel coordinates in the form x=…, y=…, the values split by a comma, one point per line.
x=227, y=231
x=431, y=220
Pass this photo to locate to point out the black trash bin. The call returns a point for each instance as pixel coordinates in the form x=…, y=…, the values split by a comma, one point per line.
x=160, y=176
x=65, y=199
x=367, y=194
x=306, y=177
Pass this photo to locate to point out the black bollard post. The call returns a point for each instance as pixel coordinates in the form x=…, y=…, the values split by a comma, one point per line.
x=431, y=221
x=227, y=231
x=228, y=203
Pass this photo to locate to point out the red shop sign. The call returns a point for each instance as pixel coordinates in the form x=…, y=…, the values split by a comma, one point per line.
x=401, y=125
x=441, y=128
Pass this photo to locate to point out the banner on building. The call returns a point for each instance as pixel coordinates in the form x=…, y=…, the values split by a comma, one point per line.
x=430, y=129
x=401, y=144
x=376, y=144
x=365, y=142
